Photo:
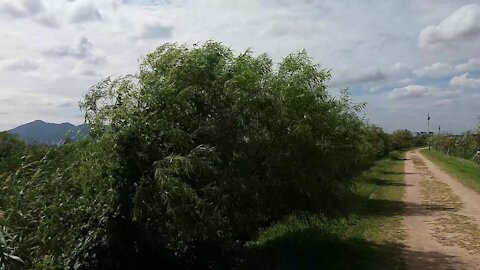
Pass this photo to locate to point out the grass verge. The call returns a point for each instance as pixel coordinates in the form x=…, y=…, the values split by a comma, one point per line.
x=466, y=171
x=366, y=236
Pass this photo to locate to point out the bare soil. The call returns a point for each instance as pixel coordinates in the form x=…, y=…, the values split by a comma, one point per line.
x=442, y=218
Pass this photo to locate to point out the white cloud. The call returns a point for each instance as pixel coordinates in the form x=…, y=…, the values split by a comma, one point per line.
x=84, y=11
x=155, y=31
x=406, y=81
x=464, y=81
x=22, y=64
x=411, y=91
x=47, y=20
x=471, y=65
x=399, y=69
x=462, y=25
x=451, y=109
x=346, y=78
x=22, y=8
x=392, y=78
x=371, y=79
x=438, y=70
x=83, y=51
x=435, y=70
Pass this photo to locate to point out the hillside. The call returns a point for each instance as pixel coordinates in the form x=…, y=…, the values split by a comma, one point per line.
x=40, y=132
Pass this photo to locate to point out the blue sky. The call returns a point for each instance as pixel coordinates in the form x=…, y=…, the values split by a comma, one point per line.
x=404, y=58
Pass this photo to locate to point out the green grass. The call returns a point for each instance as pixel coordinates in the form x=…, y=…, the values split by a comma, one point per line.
x=466, y=171
x=365, y=236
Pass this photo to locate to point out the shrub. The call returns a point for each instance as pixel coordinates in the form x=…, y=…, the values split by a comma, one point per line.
x=402, y=139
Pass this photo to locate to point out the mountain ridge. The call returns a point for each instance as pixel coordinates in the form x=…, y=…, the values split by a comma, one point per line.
x=41, y=132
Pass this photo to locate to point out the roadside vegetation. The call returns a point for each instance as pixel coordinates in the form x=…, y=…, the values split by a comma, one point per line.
x=464, y=146
x=188, y=160
x=404, y=139
x=466, y=171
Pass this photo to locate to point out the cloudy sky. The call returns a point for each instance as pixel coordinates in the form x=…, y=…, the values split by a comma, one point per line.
x=404, y=58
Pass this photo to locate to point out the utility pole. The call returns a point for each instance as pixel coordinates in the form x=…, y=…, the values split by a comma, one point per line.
x=428, y=130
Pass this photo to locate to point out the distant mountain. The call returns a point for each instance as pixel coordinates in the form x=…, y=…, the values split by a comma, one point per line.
x=40, y=132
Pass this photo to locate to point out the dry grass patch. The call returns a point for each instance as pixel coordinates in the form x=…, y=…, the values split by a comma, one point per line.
x=418, y=162
x=438, y=195
x=459, y=230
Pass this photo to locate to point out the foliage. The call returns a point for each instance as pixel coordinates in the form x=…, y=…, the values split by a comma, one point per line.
x=55, y=202
x=378, y=141
x=214, y=145
x=402, y=139
x=463, y=146
x=12, y=150
x=8, y=242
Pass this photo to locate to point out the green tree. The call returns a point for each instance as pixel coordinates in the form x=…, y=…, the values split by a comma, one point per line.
x=378, y=142
x=213, y=146
x=402, y=139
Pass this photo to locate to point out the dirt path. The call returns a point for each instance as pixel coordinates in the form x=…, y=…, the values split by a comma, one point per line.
x=442, y=218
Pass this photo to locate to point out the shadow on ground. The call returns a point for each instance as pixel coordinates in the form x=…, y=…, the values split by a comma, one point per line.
x=431, y=260
x=314, y=249
x=388, y=182
x=396, y=173
x=396, y=156
x=368, y=207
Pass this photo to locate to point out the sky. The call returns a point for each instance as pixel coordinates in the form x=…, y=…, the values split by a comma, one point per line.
x=404, y=58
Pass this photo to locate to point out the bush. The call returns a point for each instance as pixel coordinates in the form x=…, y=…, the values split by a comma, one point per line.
x=214, y=145
x=402, y=139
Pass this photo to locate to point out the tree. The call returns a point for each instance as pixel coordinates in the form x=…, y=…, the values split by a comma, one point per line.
x=214, y=145
x=402, y=139
x=379, y=142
